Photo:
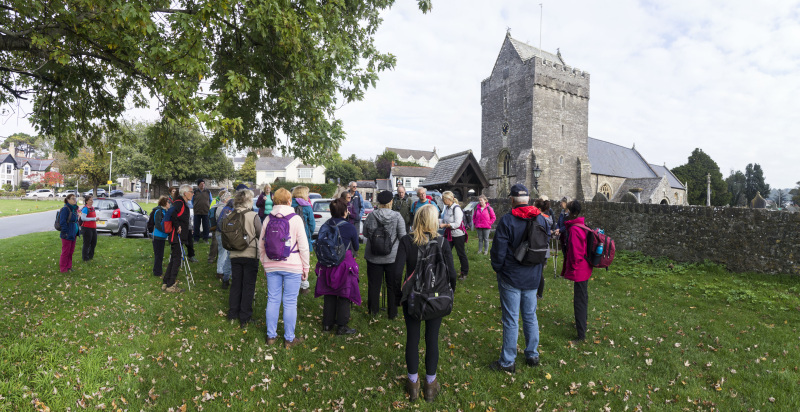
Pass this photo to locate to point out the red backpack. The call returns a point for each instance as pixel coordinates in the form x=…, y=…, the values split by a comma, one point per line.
x=595, y=238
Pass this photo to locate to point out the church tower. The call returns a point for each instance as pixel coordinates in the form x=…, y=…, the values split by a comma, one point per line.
x=535, y=111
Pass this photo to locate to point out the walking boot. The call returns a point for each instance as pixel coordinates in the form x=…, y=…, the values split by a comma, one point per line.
x=431, y=389
x=413, y=390
x=296, y=341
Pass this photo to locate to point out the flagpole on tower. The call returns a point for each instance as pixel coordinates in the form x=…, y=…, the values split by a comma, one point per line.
x=541, y=12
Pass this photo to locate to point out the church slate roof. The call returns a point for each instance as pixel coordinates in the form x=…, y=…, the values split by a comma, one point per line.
x=527, y=52
x=417, y=154
x=673, y=181
x=273, y=163
x=411, y=171
x=614, y=160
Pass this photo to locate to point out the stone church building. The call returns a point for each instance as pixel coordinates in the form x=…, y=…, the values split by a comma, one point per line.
x=536, y=113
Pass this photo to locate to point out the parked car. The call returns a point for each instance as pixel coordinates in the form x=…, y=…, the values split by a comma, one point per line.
x=100, y=193
x=68, y=192
x=116, y=193
x=121, y=217
x=322, y=212
x=41, y=193
x=313, y=195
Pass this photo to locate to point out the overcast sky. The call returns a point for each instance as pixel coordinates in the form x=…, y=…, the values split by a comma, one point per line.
x=668, y=76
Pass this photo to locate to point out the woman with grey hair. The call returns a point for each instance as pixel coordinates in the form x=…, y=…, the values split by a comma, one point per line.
x=244, y=263
x=455, y=231
x=224, y=207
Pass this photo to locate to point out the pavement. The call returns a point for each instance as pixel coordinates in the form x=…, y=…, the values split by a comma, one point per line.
x=30, y=223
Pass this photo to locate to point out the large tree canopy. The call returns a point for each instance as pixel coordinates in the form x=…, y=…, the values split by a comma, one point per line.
x=696, y=171
x=250, y=71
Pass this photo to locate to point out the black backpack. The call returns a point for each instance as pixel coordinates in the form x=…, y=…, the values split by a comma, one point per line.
x=151, y=223
x=380, y=240
x=427, y=290
x=532, y=250
x=298, y=210
x=57, y=224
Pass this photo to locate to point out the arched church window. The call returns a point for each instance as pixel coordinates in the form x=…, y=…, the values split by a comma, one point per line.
x=506, y=159
x=560, y=190
x=563, y=101
x=606, y=190
x=562, y=130
x=561, y=160
x=677, y=198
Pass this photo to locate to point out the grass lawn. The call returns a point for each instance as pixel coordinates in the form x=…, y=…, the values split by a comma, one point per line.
x=14, y=207
x=691, y=337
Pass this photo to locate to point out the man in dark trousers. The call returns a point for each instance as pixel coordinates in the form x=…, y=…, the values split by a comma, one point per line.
x=178, y=214
x=202, y=203
x=517, y=284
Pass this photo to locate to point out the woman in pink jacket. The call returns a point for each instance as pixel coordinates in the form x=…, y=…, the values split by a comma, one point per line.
x=576, y=267
x=483, y=217
x=285, y=263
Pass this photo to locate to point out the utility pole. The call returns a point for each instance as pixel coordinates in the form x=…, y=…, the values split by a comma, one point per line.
x=708, y=190
x=110, y=161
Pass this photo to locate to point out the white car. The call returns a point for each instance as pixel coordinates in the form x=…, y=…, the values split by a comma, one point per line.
x=41, y=193
x=66, y=193
x=322, y=212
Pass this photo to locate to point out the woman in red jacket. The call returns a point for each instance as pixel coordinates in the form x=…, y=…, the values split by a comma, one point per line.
x=576, y=267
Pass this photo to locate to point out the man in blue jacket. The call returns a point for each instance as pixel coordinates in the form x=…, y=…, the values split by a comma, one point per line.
x=355, y=207
x=517, y=284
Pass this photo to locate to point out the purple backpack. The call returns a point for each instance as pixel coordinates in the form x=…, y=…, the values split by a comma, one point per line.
x=277, y=239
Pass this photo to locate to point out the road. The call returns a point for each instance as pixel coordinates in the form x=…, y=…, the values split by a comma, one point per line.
x=30, y=223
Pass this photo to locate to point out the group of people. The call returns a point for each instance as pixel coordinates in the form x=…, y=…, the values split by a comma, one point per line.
x=277, y=234
x=73, y=224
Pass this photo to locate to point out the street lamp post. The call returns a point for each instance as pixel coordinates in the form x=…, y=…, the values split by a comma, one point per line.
x=110, y=161
x=537, y=172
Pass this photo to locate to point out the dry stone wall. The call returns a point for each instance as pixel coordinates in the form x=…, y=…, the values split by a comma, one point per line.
x=743, y=240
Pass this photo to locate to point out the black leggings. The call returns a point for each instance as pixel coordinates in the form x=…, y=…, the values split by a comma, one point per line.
x=375, y=275
x=335, y=309
x=580, y=302
x=89, y=243
x=460, y=244
x=412, y=343
x=174, y=265
x=158, y=256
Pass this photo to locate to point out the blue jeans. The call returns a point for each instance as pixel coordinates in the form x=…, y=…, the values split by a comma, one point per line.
x=512, y=300
x=282, y=286
x=223, y=259
x=206, y=226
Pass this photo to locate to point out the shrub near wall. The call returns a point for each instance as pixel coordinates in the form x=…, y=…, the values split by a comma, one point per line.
x=325, y=189
x=754, y=240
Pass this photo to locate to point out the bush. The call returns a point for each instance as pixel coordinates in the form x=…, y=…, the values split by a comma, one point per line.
x=324, y=189
x=7, y=187
x=15, y=193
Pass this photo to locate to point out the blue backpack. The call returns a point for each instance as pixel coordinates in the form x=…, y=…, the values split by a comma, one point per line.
x=330, y=248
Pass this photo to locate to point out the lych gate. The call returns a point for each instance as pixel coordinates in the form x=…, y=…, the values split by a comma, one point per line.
x=459, y=173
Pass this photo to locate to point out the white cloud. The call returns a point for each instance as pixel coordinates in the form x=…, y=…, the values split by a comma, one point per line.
x=669, y=76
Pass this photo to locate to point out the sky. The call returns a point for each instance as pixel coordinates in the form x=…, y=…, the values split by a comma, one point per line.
x=667, y=76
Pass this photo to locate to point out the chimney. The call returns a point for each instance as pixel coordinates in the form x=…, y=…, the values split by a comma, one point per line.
x=12, y=148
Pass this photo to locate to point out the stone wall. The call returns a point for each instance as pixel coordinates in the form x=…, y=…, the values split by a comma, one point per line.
x=743, y=240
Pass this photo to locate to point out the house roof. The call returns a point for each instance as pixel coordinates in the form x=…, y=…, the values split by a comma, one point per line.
x=273, y=163
x=614, y=160
x=417, y=154
x=383, y=184
x=37, y=165
x=411, y=171
x=662, y=171
x=527, y=52
x=239, y=159
x=366, y=184
x=7, y=158
x=450, y=168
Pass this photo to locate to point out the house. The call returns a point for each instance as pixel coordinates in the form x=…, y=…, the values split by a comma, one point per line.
x=287, y=169
x=368, y=189
x=17, y=169
x=238, y=162
x=420, y=157
x=411, y=177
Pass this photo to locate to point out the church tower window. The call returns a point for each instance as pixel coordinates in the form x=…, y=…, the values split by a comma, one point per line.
x=561, y=160
x=563, y=101
x=606, y=190
x=562, y=130
x=504, y=163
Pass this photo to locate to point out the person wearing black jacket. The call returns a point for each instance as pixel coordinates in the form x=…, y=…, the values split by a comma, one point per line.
x=426, y=225
x=178, y=214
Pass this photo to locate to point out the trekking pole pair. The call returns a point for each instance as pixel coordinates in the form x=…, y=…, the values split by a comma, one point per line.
x=555, y=259
x=185, y=264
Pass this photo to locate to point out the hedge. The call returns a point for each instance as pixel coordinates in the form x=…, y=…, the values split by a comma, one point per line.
x=324, y=189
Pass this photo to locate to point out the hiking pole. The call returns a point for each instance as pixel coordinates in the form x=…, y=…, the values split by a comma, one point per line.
x=185, y=264
x=384, y=304
x=555, y=260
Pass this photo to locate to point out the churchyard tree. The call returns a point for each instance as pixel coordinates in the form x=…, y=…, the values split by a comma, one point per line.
x=247, y=173
x=695, y=171
x=780, y=198
x=795, y=194
x=754, y=181
x=253, y=73
x=736, y=186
